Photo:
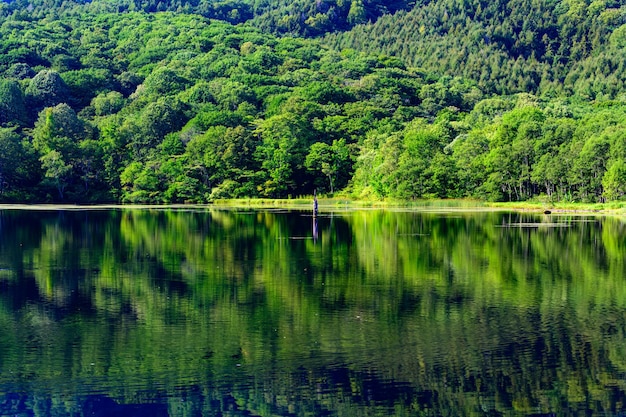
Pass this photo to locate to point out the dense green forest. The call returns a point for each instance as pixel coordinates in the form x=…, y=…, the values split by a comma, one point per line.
x=299, y=17
x=191, y=101
x=552, y=48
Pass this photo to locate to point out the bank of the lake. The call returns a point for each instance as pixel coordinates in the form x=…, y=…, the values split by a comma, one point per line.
x=614, y=208
x=339, y=204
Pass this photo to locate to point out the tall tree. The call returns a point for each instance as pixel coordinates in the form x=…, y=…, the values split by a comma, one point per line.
x=12, y=103
x=46, y=89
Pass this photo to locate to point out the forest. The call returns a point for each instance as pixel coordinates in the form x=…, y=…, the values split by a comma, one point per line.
x=189, y=101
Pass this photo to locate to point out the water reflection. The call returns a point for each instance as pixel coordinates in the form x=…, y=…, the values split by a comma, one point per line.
x=206, y=312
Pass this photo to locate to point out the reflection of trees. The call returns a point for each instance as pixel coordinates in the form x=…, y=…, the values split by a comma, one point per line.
x=555, y=284
x=447, y=313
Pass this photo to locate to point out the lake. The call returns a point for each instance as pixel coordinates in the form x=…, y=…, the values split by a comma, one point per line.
x=202, y=311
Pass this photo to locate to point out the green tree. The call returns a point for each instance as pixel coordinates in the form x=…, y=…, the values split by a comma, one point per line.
x=140, y=183
x=12, y=103
x=229, y=94
x=282, y=152
x=12, y=161
x=153, y=123
x=46, y=89
x=357, y=13
x=511, y=157
x=57, y=171
x=421, y=143
x=59, y=128
x=333, y=161
x=614, y=181
x=90, y=169
x=469, y=152
x=57, y=136
x=442, y=174
x=164, y=81
x=178, y=186
x=105, y=104
x=84, y=84
x=589, y=168
x=385, y=179
x=550, y=173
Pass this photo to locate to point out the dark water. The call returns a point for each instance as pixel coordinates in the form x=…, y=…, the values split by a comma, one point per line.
x=242, y=313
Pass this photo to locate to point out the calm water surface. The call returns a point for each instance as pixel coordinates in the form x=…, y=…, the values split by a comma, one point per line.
x=202, y=312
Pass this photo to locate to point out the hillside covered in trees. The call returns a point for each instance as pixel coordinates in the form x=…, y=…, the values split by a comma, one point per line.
x=190, y=101
x=553, y=48
x=296, y=17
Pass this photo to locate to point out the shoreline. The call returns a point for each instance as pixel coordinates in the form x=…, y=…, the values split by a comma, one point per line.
x=613, y=208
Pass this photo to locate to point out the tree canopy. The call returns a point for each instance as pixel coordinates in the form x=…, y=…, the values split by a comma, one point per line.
x=140, y=101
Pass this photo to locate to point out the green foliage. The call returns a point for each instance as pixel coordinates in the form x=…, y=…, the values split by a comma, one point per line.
x=140, y=183
x=105, y=104
x=58, y=128
x=333, y=161
x=57, y=171
x=282, y=152
x=18, y=166
x=47, y=89
x=357, y=13
x=86, y=83
x=163, y=82
x=12, y=104
x=508, y=46
x=169, y=106
x=614, y=181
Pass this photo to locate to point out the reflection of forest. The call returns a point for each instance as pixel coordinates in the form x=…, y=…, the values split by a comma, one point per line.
x=231, y=312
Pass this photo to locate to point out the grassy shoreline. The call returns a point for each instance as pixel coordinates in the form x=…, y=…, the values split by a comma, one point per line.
x=617, y=208
x=613, y=208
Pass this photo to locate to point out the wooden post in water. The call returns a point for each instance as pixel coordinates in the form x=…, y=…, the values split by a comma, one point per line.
x=315, y=208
